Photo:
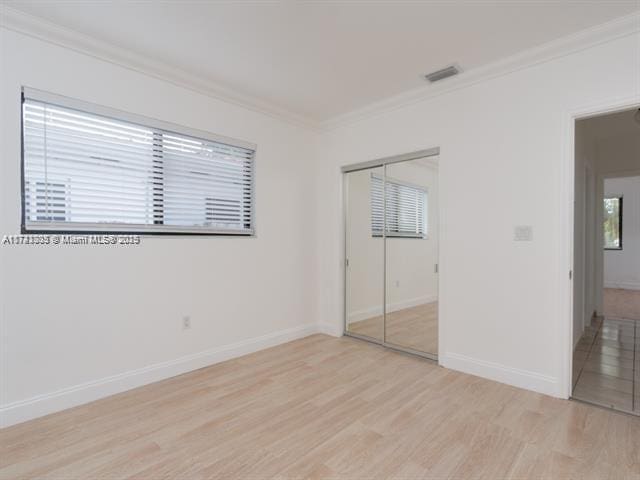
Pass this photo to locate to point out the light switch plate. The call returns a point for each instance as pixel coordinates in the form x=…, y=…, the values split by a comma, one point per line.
x=523, y=233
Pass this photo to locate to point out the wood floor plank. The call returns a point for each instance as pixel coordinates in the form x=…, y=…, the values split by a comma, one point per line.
x=323, y=407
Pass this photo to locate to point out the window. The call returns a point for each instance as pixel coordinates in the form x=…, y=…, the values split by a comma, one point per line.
x=613, y=223
x=48, y=202
x=406, y=208
x=86, y=169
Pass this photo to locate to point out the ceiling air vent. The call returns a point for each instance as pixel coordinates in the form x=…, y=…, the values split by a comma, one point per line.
x=438, y=75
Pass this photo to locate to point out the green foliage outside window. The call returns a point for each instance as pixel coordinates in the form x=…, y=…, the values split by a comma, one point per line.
x=613, y=223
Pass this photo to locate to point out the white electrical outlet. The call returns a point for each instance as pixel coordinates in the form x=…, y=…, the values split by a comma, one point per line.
x=397, y=283
x=186, y=322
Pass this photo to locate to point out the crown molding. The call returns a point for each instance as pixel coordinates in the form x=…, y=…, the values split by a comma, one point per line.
x=32, y=26
x=44, y=30
x=582, y=40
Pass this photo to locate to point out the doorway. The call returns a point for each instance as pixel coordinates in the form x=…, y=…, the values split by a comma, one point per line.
x=391, y=252
x=606, y=247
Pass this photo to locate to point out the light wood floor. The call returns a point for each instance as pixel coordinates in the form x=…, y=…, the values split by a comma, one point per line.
x=414, y=327
x=324, y=407
x=621, y=303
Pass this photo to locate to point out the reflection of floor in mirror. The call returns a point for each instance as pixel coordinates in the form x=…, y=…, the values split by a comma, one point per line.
x=414, y=327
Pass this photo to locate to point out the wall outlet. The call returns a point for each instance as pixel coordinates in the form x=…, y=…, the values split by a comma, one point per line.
x=186, y=322
x=397, y=283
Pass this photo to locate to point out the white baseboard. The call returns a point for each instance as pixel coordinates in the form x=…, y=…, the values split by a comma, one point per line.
x=38, y=406
x=366, y=313
x=623, y=285
x=330, y=329
x=503, y=374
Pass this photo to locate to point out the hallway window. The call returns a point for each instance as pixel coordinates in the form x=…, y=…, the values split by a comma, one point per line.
x=613, y=223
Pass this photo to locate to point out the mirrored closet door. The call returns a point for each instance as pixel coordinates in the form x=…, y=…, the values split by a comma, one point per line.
x=411, y=242
x=364, y=280
x=391, y=252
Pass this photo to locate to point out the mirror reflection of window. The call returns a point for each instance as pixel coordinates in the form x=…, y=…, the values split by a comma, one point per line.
x=406, y=208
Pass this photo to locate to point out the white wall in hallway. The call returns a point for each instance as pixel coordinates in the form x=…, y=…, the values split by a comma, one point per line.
x=585, y=191
x=620, y=154
x=622, y=267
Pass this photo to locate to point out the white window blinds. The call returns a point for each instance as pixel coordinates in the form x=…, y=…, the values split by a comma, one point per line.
x=86, y=171
x=405, y=208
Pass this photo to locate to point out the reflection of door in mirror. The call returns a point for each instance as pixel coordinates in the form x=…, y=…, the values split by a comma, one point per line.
x=412, y=255
x=364, y=279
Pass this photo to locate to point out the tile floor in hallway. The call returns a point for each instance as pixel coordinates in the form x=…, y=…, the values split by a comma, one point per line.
x=606, y=364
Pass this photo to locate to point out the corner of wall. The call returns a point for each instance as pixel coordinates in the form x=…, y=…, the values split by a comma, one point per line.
x=528, y=380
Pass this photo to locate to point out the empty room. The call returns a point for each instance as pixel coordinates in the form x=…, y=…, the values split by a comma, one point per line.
x=319, y=239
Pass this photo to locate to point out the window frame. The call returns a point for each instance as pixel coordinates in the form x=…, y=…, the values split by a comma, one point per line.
x=401, y=183
x=620, y=216
x=28, y=93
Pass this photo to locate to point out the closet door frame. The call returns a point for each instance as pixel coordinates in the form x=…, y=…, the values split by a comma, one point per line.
x=369, y=165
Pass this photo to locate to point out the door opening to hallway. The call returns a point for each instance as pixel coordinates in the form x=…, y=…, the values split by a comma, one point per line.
x=606, y=303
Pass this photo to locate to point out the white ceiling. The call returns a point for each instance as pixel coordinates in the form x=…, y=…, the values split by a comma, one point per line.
x=323, y=59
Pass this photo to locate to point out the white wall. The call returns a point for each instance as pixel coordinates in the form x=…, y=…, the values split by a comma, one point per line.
x=503, y=304
x=411, y=279
x=622, y=267
x=82, y=322
x=619, y=155
x=584, y=228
